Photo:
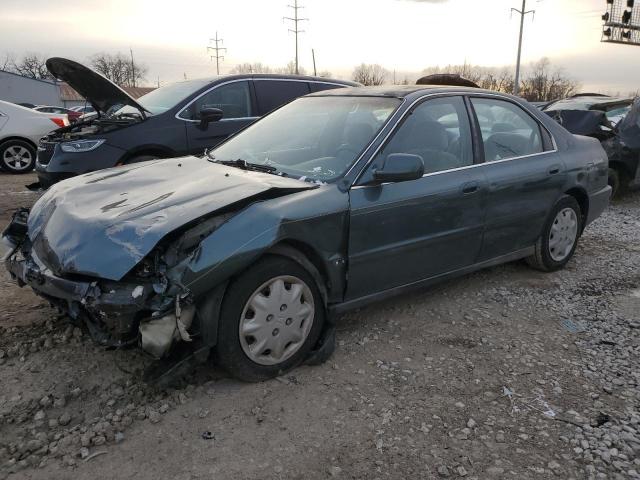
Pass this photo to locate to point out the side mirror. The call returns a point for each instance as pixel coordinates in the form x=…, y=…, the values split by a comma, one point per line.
x=400, y=167
x=210, y=114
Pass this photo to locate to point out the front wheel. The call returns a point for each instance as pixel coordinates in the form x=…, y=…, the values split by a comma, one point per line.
x=17, y=156
x=271, y=318
x=559, y=238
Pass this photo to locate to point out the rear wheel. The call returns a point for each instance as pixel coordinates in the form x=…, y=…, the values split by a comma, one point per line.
x=271, y=318
x=559, y=237
x=17, y=156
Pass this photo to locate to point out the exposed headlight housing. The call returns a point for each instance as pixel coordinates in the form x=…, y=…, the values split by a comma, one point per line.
x=80, y=146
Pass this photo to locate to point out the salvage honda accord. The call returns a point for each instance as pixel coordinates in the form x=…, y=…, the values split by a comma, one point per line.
x=331, y=202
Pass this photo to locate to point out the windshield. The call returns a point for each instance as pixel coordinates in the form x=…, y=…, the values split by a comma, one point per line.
x=314, y=138
x=164, y=98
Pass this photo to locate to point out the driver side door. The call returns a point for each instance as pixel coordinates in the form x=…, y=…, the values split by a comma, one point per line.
x=235, y=99
x=404, y=232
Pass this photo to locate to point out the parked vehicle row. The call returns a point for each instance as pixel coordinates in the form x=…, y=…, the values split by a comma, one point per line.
x=614, y=122
x=21, y=129
x=335, y=200
x=170, y=121
x=72, y=115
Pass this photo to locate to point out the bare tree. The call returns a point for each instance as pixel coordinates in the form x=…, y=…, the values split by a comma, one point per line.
x=119, y=69
x=7, y=62
x=32, y=65
x=543, y=83
x=369, y=74
x=256, y=67
x=290, y=69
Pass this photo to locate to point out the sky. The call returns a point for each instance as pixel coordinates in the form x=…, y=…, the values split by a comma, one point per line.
x=170, y=36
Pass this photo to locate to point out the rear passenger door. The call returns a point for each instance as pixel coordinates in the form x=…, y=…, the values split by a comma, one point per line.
x=524, y=172
x=236, y=102
x=403, y=232
x=272, y=93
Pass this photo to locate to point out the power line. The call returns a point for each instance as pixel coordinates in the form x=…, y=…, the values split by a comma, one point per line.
x=295, y=19
x=217, y=48
x=523, y=13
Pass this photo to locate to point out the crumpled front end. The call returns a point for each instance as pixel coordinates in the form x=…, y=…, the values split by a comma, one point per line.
x=135, y=310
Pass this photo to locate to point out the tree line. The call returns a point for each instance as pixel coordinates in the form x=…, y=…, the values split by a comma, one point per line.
x=118, y=68
x=541, y=81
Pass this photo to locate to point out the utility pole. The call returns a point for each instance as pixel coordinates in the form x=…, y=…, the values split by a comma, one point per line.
x=133, y=69
x=295, y=19
x=217, y=48
x=523, y=13
x=313, y=55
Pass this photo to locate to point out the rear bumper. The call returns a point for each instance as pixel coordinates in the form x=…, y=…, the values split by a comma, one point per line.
x=598, y=202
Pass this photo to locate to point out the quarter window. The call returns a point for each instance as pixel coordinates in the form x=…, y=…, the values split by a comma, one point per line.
x=507, y=130
x=274, y=93
x=234, y=99
x=438, y=130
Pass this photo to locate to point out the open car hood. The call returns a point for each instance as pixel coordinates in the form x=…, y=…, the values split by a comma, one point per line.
x=99, y=91
x=102, y=224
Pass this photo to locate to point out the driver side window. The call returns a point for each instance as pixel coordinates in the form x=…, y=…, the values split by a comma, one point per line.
x=234, y=99
x=437, y=130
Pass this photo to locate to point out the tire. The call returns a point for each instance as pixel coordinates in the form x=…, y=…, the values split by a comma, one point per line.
x=236, y=352
x=17, y=156
x=618, y=181
x=550, y=256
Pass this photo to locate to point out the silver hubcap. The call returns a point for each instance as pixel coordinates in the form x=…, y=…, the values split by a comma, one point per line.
x=17, y=157
x=564, y=231
x=276, y=320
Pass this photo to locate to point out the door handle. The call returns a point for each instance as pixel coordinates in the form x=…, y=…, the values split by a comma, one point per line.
x=469, y=188
x=554, y=170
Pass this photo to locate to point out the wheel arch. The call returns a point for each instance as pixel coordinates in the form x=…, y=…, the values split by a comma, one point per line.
x=157, y=150
x=22, y=139
x=308, y=258
x=583, y=202
x=209, y=308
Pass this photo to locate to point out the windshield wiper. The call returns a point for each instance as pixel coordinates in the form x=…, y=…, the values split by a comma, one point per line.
x=244, y=165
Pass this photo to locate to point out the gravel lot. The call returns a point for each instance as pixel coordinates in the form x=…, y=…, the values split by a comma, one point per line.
x=507, y=373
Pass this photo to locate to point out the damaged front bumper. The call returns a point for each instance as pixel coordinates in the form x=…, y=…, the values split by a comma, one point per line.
x=117, y=314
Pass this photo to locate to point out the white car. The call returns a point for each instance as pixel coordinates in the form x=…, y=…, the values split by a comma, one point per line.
x=20, y=131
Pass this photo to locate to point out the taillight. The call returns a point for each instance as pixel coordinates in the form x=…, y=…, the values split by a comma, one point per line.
x=60, y=122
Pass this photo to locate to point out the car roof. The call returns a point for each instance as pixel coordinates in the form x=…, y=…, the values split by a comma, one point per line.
x=402, y=91
x=268, y=76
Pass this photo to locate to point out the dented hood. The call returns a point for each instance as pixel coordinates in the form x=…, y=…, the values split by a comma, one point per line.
x=103, y=223
x=98, y=90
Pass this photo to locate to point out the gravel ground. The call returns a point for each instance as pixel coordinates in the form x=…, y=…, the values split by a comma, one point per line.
x=506, y=373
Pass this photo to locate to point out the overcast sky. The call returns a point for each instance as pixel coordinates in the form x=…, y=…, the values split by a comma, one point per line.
x=170, y=36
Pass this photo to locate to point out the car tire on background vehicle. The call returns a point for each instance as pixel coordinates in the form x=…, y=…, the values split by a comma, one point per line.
x=559, y=238
x=17, y=156
x=278, y=287
x=618, y=181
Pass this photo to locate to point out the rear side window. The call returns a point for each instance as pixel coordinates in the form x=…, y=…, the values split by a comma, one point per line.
x=234, y=99
x=274, y=93
x=318, y=87
x=507, y=130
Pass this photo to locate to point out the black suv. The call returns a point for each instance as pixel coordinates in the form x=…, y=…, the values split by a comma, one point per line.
x=178, y=119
